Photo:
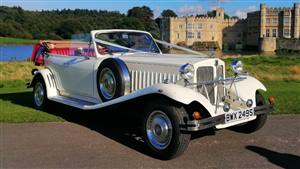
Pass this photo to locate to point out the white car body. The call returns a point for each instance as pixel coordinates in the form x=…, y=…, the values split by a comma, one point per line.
x=75, y=77
x=74, y=81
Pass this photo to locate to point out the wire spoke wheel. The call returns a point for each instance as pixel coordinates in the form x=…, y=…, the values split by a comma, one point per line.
x=107, y=82
x=159, y=130
x=39, y=94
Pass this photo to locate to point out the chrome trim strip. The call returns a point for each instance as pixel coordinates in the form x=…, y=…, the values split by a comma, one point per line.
x=230, y=79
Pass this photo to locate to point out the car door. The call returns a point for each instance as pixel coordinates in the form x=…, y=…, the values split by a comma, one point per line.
x=76, y=74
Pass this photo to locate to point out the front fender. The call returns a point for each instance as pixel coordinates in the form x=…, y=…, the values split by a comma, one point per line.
x=49, y=81
x=247, y=88
x=184, y=95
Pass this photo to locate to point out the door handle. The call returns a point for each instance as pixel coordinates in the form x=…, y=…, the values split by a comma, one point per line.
x=66, y=64
x=70, y=62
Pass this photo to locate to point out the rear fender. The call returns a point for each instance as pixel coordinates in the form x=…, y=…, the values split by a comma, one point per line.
x=49, y=81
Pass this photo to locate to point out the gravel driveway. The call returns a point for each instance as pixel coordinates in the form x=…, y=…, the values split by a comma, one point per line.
x=98, y=143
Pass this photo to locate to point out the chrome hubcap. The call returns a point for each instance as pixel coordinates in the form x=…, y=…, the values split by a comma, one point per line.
x=107, y=83
x=39, y=94
x=159, y=129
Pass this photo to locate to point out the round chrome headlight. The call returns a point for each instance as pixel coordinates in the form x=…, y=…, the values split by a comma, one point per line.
x=187, y=71
x=237, y=66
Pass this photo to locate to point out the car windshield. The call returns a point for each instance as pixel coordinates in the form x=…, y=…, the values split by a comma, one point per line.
x=133, y=40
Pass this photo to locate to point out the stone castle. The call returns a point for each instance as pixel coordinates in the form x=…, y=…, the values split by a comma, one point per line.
x=260, y=30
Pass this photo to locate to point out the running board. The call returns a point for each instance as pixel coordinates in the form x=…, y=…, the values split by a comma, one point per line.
x=81, y=104
x=162, y=89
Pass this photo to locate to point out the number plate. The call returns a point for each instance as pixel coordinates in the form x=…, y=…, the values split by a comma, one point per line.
x=239, y=115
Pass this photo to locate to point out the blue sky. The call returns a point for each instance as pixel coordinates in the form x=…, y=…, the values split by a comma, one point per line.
x=181, y=7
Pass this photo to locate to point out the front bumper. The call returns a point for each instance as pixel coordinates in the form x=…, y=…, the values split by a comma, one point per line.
x=196, y=125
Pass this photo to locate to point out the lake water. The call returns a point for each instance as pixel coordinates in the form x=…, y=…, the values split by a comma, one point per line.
x=15, y=52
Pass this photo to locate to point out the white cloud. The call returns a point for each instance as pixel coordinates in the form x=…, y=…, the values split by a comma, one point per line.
x=217, y=4
x=243, y=13
x=190, y=10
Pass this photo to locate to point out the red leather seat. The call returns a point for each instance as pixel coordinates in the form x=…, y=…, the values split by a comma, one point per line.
x=63, y=51
x=70, y=52
x=38, y=59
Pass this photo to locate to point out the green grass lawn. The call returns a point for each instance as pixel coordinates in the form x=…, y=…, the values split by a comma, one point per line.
x=287, y=94
x=16, y=41
x=278, y=68
x=16, y=106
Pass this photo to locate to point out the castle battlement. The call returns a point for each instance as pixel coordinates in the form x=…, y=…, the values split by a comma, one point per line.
x=279, y=9
x=233, y=20
x=193, y=18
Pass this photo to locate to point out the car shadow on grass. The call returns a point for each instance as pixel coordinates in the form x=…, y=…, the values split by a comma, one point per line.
x=283, y=160
x=121, y=123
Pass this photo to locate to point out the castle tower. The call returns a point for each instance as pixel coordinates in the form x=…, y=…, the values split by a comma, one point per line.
x=220, y=13
x=297, y=20
x=263, y=12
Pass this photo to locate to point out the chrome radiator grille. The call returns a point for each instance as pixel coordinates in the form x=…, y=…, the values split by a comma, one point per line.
x=206, y=74
x=142, y=79
x=220, y=74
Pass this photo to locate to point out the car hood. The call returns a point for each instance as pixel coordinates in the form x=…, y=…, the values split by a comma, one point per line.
x=169, y=59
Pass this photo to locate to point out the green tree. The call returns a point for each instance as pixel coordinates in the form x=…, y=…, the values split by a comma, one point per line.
x=226, y=16
x=213, y=14
x=57, y=24
x=129, y=23
x=69, y=27
x=168, y=13
x=143, y=13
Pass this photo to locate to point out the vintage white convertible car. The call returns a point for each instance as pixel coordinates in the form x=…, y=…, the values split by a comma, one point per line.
x=182, y=93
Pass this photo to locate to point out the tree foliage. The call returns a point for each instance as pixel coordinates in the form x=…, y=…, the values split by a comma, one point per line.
x=61, y=24
x=145, y=15
x=213, y=14
x=168, y=13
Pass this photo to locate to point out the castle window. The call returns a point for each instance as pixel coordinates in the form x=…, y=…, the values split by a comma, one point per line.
x=268, y=33
x=287, y=20
x=212, y=38
x=178, y=35
x=190, y=35
x=190, y=26
x=180, y=26
x=286, y=32
x=274, y=32
x=199, y=35
x=268, y=20
x=199, y=25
